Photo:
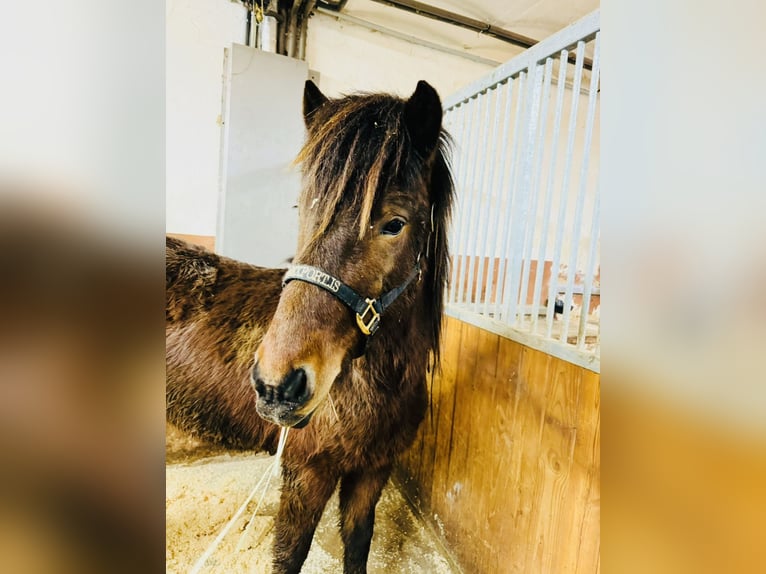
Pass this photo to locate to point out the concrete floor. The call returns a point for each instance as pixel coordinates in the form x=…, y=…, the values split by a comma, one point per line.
x=203, y=494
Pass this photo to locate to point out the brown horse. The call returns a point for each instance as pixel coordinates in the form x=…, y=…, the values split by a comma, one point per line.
x=356, y=319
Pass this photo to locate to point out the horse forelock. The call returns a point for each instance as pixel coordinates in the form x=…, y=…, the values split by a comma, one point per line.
x=357, y=148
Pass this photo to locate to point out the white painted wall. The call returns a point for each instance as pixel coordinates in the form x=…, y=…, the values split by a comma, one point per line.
x=352, y=58
x=348, y=58
x=197, y=33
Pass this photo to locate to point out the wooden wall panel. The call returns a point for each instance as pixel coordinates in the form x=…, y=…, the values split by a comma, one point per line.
x=506, y=464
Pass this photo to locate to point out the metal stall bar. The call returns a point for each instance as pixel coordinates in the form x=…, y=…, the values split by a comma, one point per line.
x=512, y=303
x=506, y=213
x=484, y=231
x=563, y=60
x=563, y=199
x=502, y=110
x=572, y=243
x=535, y=145
x=472, y=195
x=590, y=271
x=511, y=201
x=463, y=198
x=463, y=193
x=577, y=226
x=454, y=125
x=540, y=153
x=475, y=220
x=460, y=114
x=521, y=196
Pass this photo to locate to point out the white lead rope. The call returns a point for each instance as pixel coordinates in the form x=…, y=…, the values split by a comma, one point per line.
x=271, y=471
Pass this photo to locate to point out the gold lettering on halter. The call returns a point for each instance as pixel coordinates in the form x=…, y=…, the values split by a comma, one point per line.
x=318, y=276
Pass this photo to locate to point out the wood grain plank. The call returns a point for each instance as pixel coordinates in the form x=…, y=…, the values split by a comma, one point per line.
x=445, y=419
x=508, y=468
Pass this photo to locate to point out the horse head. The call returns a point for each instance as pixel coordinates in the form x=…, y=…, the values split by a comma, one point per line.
x=376, y=191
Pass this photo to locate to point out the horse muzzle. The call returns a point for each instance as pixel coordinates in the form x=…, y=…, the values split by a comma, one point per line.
x=283, y=403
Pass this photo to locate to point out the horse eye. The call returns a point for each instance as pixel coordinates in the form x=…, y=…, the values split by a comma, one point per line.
x=393, y=227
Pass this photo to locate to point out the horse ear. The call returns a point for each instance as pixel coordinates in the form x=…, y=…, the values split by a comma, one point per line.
x=312, y=100
x=423, y=117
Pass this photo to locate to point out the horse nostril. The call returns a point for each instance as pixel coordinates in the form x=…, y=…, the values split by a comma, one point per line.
x=294, y=387
x=257, y=382
x=260, y=388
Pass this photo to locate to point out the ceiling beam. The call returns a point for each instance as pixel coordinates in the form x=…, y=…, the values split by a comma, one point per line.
x=456, y=19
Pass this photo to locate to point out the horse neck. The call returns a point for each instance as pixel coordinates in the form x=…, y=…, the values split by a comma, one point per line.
x=399, y=352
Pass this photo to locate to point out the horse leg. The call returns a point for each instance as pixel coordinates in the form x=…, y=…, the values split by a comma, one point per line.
x=359, y=493
x=305, y=492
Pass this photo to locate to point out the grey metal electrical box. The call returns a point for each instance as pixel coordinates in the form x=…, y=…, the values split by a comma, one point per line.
x=261, y=134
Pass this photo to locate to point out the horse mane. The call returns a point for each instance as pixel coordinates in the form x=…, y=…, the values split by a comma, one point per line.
x=359, y=146
x=438, y=272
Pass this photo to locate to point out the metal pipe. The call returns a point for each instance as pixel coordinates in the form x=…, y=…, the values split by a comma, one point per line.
x=459, y=20
x=334, y=6
x=406, y=37
x=292, y=26
x=249, y=27
x=283, y=17
x=304, y=28
x=267, y=34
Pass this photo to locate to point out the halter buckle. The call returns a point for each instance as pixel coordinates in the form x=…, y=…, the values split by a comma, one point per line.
x=368, y=327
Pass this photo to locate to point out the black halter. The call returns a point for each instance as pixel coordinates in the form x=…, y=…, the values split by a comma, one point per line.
x=368, y=311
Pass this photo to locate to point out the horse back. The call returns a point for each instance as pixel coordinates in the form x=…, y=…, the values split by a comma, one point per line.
x=216, y=310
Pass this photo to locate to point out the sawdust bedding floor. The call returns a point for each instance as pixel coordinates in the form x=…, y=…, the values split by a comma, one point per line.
x=204, y=493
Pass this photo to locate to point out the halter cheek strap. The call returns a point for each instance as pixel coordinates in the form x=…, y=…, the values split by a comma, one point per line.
x=368, y=311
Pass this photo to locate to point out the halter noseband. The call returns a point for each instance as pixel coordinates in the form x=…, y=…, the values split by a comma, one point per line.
x=368, y=311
